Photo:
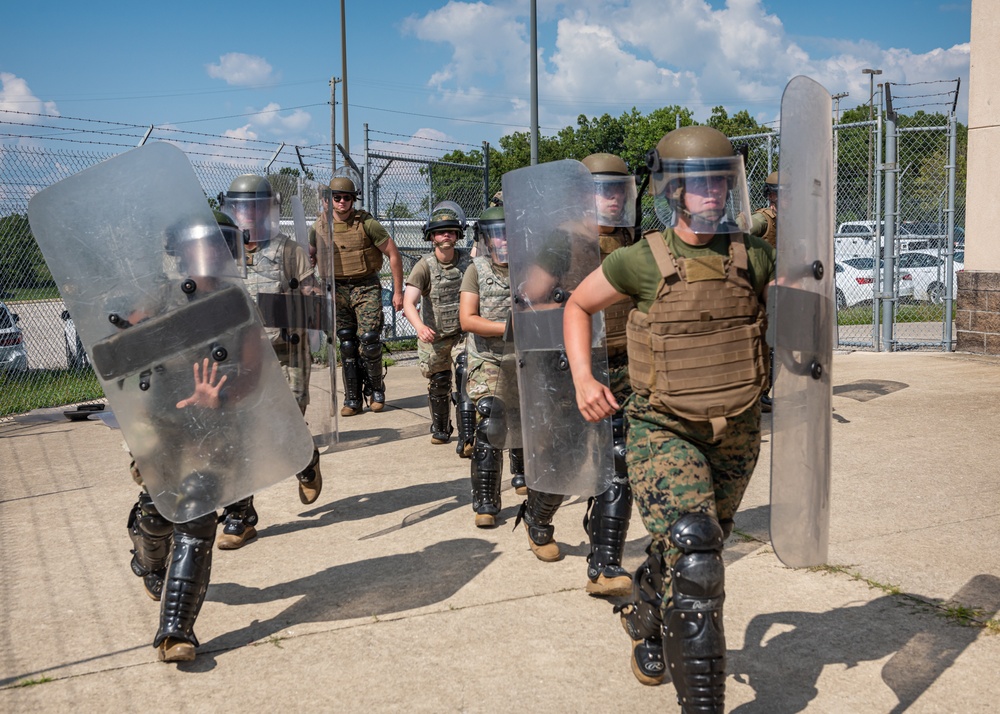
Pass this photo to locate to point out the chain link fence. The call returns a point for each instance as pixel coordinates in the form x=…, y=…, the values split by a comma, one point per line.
x=43, y=364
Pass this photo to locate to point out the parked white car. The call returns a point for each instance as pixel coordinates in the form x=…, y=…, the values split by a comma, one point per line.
x=855, y=281
x=928, y=269
x=13, y=355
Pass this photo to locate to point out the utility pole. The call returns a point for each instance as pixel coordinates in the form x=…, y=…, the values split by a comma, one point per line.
x=343, y=66
x=836, y=143
x=333, y=122
x=871, y=132
x=534, y=84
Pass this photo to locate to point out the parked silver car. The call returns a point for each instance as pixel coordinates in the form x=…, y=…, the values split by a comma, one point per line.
x=13, y=355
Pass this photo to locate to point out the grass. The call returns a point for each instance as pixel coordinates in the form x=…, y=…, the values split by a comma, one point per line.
x=40, y=388
x=911, y=312
x=33, y=682
x=26, y=294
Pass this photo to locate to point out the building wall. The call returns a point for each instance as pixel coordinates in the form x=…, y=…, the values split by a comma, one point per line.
x=977, y=314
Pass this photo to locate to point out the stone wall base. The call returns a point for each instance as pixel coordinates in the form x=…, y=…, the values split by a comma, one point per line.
x=977, y=312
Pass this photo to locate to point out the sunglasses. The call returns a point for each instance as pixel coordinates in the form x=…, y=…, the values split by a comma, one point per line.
x=337, y=197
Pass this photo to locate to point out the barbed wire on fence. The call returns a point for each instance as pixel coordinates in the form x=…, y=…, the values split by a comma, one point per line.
x=405, y=177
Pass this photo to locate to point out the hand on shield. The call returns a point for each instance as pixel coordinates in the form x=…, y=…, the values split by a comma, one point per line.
x=206, y=388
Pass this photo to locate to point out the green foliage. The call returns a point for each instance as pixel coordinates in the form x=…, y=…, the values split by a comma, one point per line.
x=21, y=263
x=37, y=389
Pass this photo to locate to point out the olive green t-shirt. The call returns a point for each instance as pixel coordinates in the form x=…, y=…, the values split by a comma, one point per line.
x=633, y=271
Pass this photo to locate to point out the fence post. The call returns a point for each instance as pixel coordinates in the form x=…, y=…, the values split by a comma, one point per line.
x=949, y=276
x=891, y=170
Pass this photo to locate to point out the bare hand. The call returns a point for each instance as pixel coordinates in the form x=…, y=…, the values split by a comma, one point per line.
x=206, y=388
x=397, y=300
x=426, y=334
x=594, y=400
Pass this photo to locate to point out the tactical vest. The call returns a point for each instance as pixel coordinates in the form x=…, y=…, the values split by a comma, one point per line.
x=267, y=273
x=616, y=314
x=439, y=310
x=699, y=353
x=494, y=305
x=354, y=253
x=771, y=234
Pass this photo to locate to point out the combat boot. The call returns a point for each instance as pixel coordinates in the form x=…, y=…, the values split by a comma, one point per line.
x=606, y=522
x=239, y=520
x=439, y=401
x=643, y=622
x=374, y=371
x=352, y=374
x=310, y=480
x=537, y=512
x=517, y=472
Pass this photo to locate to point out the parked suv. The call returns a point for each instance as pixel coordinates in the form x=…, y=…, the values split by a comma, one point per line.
x=13, y=355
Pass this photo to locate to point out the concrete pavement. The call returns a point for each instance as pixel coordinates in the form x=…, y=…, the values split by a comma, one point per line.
x=383, y=595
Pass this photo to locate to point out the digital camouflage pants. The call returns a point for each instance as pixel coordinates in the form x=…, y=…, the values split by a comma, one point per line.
x=675, y=468
x=359, y=305
x=439, y=355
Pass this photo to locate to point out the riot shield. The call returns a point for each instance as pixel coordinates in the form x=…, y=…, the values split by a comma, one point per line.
x=803, y=315
x=292, y=308
x=175, y=341
x=552, y=240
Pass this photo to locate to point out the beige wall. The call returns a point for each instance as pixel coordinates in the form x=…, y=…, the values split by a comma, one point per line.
x=982, y=217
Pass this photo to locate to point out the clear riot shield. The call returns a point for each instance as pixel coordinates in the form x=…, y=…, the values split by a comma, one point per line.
x=172, y=334
x=321, y=414
x=803, y=315
x=552, y=240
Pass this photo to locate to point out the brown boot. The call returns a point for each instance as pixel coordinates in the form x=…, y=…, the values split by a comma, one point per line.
x=232, y=541
x=348, y=410
x=485, y=520
x=171, y=650
x=547, y=551
x=310, y=481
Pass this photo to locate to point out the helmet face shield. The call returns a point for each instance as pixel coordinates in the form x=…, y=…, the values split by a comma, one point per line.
x=615, y=197
x=257, y=215
x=234, y=241
x=495, y=235
x=708, y=194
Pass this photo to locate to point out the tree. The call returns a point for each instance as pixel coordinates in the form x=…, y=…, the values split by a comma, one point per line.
x=21, y=261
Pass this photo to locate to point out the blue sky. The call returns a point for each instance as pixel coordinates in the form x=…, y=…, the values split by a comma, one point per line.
x=437, y=75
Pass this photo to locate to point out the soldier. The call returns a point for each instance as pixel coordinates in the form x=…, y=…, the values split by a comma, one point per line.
x=185, y=548
x=764, y=221
x=356, y=250
x=484, y=308
x=180, y=352
x=434, y=282
x=608, y=513
x=764, y=224
x=697, y=363
x=277, y=270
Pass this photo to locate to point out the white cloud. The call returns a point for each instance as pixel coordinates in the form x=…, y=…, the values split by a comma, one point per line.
x=16, y=96
x=241, y=70
x=610, y=55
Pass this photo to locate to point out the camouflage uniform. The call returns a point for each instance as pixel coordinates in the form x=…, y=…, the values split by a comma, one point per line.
x=355, y=259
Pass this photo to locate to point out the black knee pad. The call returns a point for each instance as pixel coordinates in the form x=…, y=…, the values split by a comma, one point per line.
x=439, y=384
x=348, y=342
x=493, y=421
x=371, y=345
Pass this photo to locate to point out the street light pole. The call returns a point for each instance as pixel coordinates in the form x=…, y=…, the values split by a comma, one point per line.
x=343, y=66
x=871, y=131
x=836, y=144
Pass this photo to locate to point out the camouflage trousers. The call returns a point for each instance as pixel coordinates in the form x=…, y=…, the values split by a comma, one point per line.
x=675, y=468
x=359, y=305
x=621, y=387
x=439, y=355
x=296, y=363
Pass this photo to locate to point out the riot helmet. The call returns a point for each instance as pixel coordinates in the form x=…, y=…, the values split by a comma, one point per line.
x=614, y=190
x=446, y=216
x=491, y=229
x=255, y=208
x=346, y=183
x=199, y=252
x=697, y=177
x=771, y=186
